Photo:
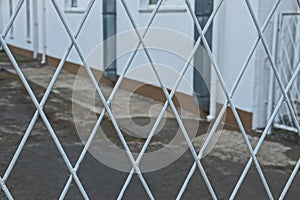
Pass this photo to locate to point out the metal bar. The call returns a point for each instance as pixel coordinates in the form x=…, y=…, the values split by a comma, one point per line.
x=67, y=53
x=106, y=103
x=289, y=30
x=156, y=124
x=294, y=44
x=290, y=181
x=262, y=138
x=6, y=30
x=271, y=74
x=290, y=68
x=277, y=76
x=63, y=60
x=232, y=92
x=5, y=189
x=285, y=127
x=63, y=154
x=277, y=92
x=233, y=108
x=82, y=155
x=116, y=87
x=222, y=112
x=102, y=98
x=19, y=72
x=20, y=147
x=173, y=108
x=43, y=101
x=282, y=70
x=41, y=113
x=12, y=19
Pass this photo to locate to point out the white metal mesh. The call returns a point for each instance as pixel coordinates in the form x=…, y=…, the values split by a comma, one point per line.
x=287, y=96
x=288, y=57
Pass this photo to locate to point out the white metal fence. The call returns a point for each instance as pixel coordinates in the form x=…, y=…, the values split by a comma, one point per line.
x=287, y=53
x=286, y=98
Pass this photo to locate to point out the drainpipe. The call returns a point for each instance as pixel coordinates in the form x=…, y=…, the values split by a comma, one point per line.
x=10, y=14
x=44, y=35
x=213, y=97
x=35, y=29
x=28, y=22
x=214, y=78
x=202, y=63
x=109, y=31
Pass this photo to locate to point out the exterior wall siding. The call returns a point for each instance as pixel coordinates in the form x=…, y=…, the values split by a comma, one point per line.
x=233, y=36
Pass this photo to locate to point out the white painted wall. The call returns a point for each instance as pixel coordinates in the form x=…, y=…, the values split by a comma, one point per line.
x=57, y=39
x=234, y=39
x=234, y=35
x=177, y=36
x=262, y=65
x=89, y=38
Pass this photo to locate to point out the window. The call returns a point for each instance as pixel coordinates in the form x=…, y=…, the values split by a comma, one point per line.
x=75, y=6
x=167, y=5
x=152, y=2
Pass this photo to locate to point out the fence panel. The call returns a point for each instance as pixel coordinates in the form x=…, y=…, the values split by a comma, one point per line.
x=287, y=96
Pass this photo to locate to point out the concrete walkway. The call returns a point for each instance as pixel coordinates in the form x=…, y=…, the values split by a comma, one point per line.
x=142, y=107
x=80, y=90
x=41, y=174
x=232, y=142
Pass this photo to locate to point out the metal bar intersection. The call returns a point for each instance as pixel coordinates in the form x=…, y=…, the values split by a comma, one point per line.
x=106, y=103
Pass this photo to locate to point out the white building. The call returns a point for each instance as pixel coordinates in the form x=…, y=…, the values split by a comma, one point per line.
x=38, y=29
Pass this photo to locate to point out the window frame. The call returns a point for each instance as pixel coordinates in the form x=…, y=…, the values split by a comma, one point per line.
x=146, y=6
x=71, y=6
